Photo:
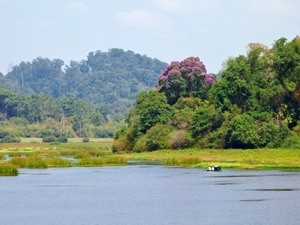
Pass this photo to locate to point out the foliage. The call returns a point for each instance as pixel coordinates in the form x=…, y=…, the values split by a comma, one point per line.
x=185, y=79
x=49, y=138
x=152, y=108
x=205, y=120
x=9, y=137
x=32, y=162
x=242, y=132
x=85, y=140
x=62, y=139
x=254, y=103
x=91, y=79
x=292, y=142
x=155, y=138
x=180, y=139
x=8, y=170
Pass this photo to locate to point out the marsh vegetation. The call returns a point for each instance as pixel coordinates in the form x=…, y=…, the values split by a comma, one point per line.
x=35, y=154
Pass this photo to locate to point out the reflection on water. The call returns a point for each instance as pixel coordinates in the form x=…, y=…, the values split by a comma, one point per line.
x=275, y=189
x=148, y=195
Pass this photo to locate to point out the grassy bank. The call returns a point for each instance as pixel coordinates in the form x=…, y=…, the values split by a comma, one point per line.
x=35, y=154
x=232, y=159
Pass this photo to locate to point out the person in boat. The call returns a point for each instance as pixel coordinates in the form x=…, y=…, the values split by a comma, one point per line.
x=213, y=168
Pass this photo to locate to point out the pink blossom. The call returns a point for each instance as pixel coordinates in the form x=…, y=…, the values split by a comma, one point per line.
x=209, y=79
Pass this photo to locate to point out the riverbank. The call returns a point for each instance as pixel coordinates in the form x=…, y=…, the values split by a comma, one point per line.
x=35, y=154
x=277, y=159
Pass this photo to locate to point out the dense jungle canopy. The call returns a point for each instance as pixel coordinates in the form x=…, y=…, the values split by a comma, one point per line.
x=255, y=103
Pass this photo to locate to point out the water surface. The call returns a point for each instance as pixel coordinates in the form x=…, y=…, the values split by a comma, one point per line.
x=149, y=195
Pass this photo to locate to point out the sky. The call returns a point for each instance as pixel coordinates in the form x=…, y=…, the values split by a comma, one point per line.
x=169, y=30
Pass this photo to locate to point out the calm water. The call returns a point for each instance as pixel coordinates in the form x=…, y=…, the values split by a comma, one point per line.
x=149, y=195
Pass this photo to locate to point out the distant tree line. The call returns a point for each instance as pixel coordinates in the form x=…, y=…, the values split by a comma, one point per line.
x=110, y=79
x=254, y=104
x=33, y=115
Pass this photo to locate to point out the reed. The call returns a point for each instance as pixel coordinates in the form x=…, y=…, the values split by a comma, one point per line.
x=32, y=162
x=8, y=170
x=57, y=162
x=103, y=161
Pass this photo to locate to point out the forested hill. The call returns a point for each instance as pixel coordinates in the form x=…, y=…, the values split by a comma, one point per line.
x=108, y=79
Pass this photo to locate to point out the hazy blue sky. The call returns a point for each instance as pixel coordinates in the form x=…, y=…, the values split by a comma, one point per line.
x=168, y=30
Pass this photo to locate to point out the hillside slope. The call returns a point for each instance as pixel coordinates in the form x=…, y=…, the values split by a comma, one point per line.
x=110, y=79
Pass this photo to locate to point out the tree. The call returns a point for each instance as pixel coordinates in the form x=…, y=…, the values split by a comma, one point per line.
x=152, y=108
x=205, y=120
x=188, y=78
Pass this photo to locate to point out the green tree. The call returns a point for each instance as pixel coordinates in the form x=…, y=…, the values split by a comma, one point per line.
x=205, y=120
x=152, y=108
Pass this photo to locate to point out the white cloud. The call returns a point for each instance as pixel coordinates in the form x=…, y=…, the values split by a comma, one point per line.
x=79, y=6
x=142, y=19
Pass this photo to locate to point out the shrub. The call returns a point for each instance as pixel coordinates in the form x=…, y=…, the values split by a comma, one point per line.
x=11, y=139
x=124, y=140
x=180, y=139
x=155, y=138
x=296, y=129
x=62, y=139
x=215, y=139
x=50, y=138
x=271, y=135
x=19, y=121
x=242, y=132
x=45, y=133
x=85, y=140
x=104, y=133
x=292, y=142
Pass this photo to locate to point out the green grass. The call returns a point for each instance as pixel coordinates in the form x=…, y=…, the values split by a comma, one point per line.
x=8, y=170
x=98, y=153
x=31, y=162
x=234, y=159
x=105, y=161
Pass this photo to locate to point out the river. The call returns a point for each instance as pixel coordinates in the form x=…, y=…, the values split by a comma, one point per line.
x=149, y=195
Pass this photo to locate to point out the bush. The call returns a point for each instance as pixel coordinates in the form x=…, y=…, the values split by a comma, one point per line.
x=292, y=142
x=180, y=139
x=296, y=129
x=50, y=138
x=242, y=132
x=123, y=140
x=62, y=139
x=104, y=133
x=271, y=135
x=19, y=121
x=215, y=139
x=155, y=138
x=85, y=140
x=45, y=133
x=11, y=139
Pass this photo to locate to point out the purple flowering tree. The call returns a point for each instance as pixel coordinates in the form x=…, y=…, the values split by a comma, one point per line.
x=185, y=79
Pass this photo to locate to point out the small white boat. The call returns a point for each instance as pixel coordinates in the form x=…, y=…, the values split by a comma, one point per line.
x=213, y=168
